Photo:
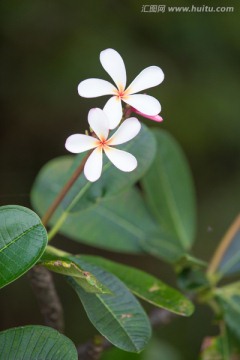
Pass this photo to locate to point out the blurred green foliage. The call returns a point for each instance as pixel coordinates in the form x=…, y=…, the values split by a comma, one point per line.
x=48, y=47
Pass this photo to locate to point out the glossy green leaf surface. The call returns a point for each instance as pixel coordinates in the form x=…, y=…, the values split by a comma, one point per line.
x=35, y=343
x=117, y=316
x=228, y=298
x=147, y=286
x=169, y=193
x=55, y=174
x=23, y=239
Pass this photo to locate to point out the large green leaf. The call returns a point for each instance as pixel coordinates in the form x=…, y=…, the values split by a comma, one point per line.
x=169, y=192
x=119, y=316
x=228, y=298
x=59, y=262
x=35, y=343
x=23, y=239
x=118, y=223
x=146, y=286
x=121, y=223
x=84, y=193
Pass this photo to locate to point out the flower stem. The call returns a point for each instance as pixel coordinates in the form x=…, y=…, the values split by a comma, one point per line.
x=49, y=213
x=57, y=226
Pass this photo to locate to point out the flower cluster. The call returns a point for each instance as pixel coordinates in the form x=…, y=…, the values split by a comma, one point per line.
x=102, y=121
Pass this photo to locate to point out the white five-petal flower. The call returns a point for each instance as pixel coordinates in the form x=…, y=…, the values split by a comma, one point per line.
x=99, y=123
x=113, y=63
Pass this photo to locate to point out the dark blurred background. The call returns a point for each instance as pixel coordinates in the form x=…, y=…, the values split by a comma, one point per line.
x=48, y=47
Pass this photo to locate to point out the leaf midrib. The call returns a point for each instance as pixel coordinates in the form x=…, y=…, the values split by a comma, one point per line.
x=117, y=320
x=19, y=236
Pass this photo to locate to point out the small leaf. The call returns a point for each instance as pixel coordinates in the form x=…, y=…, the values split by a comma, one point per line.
x=191, y=274
x=35, y=343
x=119, y=317
x=146, y=286
x=170, y=194
x=62, y=265
x=228, y=297
x=55, y=174
x=23, y=239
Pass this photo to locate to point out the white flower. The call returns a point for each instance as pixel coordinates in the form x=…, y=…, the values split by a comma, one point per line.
x=114, y=66
x=99, y=123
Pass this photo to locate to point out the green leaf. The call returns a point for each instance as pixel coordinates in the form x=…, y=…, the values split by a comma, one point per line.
x=146, y=286
x=121, y=223
x=163, y=246
x=191, y=274
x=36, y=343
x=23, y=239
x=61, y=264
x=228, y=297
x=119, y=316
x=55, y=174
x=170, y=194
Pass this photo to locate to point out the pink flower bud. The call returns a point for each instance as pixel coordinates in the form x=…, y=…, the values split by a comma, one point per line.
x=154, y=118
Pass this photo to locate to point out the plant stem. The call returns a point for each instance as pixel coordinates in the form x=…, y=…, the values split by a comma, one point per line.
x=57, y=226
x=49, y=213
x=224, y=245
x=50, y=305
x=51, y=250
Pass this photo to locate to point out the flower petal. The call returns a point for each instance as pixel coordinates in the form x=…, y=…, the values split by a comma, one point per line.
x=113, y=110
x=99, y=123
x=91, y=88
x=149, y=77
x=113, y=63
x=93, y=166
x=126, y=131
x=144, y=103
x=121, y=159
x=78, y=143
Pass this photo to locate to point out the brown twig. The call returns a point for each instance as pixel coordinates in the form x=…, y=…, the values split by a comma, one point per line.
x=224, y=244
x=46, y=294
x=64, y=191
